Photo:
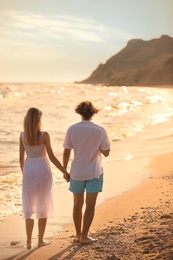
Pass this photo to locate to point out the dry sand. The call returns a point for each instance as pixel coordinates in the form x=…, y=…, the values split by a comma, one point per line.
x=135, y=225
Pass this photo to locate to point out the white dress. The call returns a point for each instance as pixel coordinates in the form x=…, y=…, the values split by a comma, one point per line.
x=36, y=183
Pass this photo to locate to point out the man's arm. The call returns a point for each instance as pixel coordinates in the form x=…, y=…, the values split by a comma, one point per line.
x=105, y=152
x=66, y=157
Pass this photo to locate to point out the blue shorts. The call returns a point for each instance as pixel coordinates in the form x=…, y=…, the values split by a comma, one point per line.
x=93, y=185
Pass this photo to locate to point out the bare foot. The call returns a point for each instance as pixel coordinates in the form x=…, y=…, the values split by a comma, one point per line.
x=76, y=240
x=28, y=245
x=88, y=240
x=43, y=244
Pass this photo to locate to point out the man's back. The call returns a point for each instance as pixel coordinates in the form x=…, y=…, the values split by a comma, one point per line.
x=86, y=139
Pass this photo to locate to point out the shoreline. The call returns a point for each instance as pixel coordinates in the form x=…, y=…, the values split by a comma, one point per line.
x=63, y=208
x=139, y=231
x=122, y=179
x=113, y=215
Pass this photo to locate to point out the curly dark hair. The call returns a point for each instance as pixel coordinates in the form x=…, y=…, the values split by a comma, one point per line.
x=86, y=109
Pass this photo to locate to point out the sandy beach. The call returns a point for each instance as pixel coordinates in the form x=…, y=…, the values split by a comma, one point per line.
x=137, y=224
x=133, y=218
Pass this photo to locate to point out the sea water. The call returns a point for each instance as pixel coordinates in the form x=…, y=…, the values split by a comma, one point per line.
x=125, y=112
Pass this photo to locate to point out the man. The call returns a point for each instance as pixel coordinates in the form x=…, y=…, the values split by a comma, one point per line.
x=88, y=141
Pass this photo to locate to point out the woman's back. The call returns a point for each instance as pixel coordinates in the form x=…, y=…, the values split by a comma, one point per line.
x=33, y=151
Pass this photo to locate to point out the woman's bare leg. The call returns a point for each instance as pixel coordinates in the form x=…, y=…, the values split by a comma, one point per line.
x=29, y=223
x=41, y=229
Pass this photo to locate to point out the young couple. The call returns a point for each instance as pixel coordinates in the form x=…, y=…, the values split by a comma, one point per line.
x=89, y=141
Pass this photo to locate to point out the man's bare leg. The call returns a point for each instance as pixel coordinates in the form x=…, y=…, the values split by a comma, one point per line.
x=77, y=213
x=29, y=223
x=88, y=217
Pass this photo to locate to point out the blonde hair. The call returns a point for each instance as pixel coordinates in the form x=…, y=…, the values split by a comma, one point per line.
x=32, y=126
x=86, y=109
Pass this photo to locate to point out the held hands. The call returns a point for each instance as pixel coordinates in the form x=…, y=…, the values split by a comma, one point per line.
x=66, y=176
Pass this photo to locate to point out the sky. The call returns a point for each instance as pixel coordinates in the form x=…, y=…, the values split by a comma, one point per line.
x=65, y=40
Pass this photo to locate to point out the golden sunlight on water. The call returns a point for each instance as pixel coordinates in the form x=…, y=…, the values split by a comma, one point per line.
x=125, y=112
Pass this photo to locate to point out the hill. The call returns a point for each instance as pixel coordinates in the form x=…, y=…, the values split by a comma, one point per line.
x=140, y=63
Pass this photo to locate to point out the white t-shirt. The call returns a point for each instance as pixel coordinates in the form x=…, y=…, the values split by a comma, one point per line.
x=86, y=139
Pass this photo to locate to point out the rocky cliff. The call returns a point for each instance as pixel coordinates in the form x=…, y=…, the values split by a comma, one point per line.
x=140, y=63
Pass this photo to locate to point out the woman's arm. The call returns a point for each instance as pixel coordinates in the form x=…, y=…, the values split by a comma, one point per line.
x=53, y=159
x=21, y=153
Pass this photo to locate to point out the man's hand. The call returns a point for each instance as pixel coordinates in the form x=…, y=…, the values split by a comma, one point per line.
x=66, y=176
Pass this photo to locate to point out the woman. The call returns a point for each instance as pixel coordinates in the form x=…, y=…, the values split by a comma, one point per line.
x=37, y=176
